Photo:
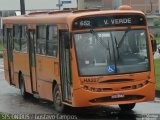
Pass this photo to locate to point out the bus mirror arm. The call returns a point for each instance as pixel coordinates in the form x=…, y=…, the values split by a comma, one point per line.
x=154, y=45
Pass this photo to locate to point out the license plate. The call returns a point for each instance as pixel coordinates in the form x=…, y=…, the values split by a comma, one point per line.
x=115, y=96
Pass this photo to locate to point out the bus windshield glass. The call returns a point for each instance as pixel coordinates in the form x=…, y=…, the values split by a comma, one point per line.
x=112, y=52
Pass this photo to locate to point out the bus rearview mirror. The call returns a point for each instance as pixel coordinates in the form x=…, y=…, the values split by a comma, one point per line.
x=154, y=45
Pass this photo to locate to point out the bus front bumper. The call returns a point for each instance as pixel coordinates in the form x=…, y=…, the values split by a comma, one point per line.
x=85, y=98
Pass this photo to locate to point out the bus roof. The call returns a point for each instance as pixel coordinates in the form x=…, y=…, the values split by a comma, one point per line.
x=65, y=17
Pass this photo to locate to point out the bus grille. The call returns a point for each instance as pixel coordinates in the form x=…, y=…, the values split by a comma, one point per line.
x=110, y=99
x=116, y=81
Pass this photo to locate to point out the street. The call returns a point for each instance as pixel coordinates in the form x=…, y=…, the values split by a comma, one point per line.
x=11, y=102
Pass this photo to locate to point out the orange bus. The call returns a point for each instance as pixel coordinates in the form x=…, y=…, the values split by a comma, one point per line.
x=80, y=58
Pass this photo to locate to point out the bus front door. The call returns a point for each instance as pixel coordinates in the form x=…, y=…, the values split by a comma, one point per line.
x=32, y=59
x=10, y=55
x=65, y=69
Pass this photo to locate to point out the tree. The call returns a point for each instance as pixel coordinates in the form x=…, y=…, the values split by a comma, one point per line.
x=156, y=22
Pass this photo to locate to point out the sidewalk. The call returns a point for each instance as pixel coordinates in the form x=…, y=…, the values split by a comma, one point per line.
x=156, y=55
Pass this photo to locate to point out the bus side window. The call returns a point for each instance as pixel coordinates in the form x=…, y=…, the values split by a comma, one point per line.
x=16, y=37
x=41, y=39
x=4, y=37
x=52, y=41
x=23, y=39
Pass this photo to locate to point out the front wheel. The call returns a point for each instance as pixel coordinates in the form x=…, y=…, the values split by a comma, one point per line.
x=58, y=105
x=127, y=107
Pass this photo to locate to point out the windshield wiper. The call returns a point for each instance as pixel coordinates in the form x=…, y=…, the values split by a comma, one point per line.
x=117, y=47
x=100, y=40
x=122, y=39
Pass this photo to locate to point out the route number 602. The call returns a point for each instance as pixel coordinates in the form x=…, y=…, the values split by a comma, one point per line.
x=85, y=23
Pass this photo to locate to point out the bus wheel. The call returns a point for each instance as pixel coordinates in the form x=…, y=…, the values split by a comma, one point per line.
x=23, y=92
x=58, y=105
x=127, y=107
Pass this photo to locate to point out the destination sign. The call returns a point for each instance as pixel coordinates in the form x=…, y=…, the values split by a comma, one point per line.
x=109, y=21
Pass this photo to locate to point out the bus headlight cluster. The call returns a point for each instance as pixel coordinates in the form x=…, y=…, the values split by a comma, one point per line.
x=140, y=85
x=92, y=89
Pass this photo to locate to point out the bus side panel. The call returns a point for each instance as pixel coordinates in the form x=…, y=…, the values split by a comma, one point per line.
x=21, y=63
x=45, y=90
x=16, y=78
x=5, y=61
x=46, y=73
x=28, y=83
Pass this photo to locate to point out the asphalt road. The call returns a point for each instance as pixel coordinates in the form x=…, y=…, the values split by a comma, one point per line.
x=11, y=102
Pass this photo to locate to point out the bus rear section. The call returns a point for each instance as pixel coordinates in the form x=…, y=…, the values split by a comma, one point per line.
x=112, y=61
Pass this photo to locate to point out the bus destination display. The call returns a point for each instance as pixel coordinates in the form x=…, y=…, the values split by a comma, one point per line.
x=109, y=21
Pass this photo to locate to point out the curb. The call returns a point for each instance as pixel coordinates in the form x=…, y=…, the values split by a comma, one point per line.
x=158, y=93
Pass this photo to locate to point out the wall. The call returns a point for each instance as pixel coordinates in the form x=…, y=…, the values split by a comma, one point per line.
x=143, y=5
x=93, y=4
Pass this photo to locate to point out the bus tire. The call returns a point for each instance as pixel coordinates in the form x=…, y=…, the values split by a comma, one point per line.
x=58, y=105
x=127, y=107
x=23, y=92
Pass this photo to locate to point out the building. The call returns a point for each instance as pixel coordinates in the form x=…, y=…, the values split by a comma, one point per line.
x=147, y=6
x=101, y=4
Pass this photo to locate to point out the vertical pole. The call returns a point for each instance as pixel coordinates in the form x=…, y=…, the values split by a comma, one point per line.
x=77, y=4
x=145, y=7
x=22, y=7
x=59, y=2
x=151, y=5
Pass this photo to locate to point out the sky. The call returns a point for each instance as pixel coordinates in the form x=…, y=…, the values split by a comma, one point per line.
x=34, y=4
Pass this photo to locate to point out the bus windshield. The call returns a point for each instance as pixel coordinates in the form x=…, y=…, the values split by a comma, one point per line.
x=112, y=52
